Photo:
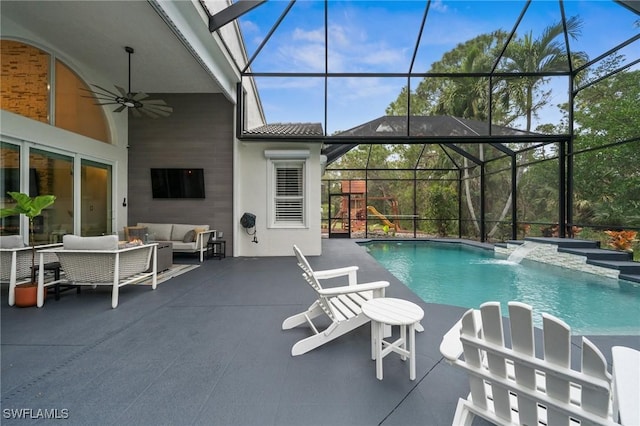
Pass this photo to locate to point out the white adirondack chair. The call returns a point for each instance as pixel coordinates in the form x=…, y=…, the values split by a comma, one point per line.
x=341, y=304
x=511, y=386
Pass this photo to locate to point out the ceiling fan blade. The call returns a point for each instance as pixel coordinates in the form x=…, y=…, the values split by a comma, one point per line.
x=120, y=108
x=97, y=95
x=101, y=98
x=149, y=113
x=164, y=107
x=122, y=91
x=162, y=113
x=135, y=112
x=155, y=102
x=139, y=96
x=105, y=90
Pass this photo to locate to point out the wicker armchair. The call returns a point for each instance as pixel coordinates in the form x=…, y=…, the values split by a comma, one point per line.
x=15, y=262
x=98, y=261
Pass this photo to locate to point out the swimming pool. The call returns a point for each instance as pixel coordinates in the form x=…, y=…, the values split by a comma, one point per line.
x=461, y=275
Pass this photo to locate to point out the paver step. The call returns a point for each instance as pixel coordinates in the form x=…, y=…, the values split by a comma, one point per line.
x=629, y=277
x=598, y=254
x=565, y=242
x=625, y=267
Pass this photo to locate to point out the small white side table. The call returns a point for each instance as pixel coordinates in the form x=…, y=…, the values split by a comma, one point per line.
x=387, y=310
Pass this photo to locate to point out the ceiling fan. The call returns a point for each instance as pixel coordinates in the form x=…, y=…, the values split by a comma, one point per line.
x=136, y=102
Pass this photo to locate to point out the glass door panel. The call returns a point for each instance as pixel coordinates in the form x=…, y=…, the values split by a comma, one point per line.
x=52, y=174
x=9, y=182
x=96, y=200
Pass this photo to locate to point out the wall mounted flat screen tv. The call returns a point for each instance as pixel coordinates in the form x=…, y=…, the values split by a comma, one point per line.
x=177, y=183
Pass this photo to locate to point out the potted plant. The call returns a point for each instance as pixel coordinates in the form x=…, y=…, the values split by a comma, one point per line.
x=31, y=207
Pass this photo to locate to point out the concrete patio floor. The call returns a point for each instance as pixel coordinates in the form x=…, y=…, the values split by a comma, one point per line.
x=207, y=348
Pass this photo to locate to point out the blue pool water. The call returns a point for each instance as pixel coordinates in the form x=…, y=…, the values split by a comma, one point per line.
x=460, y=275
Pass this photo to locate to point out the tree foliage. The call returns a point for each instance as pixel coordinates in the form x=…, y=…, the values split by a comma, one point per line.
x=606, y=180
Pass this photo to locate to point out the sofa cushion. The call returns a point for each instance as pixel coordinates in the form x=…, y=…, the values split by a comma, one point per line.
x=74, y=242
x=186, y=247
x=12, y=241
x=159, y=231
x=179, y=230
x=189, y=237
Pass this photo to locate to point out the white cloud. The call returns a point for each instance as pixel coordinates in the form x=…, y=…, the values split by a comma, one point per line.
x=384, y=55
x=250, y=27
x=290, y=83
x=349, y=50
x=302, y=57
x=438, y=6
x=316, y=36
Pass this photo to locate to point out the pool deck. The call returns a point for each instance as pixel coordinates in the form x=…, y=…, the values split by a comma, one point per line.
x=207, y=348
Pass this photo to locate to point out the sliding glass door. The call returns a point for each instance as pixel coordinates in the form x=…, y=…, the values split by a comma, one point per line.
x=96, y=198
x=9, y=182
x=52, y=174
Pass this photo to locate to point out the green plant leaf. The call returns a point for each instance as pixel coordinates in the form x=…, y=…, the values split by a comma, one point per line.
x=9, y=212
x=28, y=206
x=41, y=202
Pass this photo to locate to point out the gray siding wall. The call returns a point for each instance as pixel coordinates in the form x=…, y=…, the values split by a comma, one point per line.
x=198, y=134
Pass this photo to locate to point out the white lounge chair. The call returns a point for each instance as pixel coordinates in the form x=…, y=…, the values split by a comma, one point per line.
x=511, y=386
x=340, y=304
x=15, y=262
x=626, y=384
x=97, y=261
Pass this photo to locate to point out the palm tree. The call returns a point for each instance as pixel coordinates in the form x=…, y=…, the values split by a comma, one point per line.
x=542, y=55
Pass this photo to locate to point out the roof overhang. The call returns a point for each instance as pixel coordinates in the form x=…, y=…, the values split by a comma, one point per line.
x=174, y=50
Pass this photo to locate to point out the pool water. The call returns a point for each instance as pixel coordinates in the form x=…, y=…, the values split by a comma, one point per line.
x=460, y=275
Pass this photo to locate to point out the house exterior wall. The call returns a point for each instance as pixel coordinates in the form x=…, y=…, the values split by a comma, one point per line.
x=198, y=134
x=26, y=132
x=251, y=171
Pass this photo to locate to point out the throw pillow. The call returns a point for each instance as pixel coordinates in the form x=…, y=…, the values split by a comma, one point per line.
x=189, y=237
x=197, y=231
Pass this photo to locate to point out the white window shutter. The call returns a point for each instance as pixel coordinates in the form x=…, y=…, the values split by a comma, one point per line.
x=289, y=193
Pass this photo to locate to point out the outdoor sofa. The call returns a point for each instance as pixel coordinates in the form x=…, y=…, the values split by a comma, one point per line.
x=184, y=238
x=101, y=261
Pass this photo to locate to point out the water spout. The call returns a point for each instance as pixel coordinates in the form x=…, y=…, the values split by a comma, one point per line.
x=522, y=251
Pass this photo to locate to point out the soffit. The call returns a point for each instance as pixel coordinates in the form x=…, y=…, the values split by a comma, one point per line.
x=94, y=33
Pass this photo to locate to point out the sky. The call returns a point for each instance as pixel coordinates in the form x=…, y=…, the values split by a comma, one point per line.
x=380, y=37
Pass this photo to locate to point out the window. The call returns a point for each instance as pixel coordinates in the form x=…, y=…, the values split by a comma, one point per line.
x=26, y=81
x=289, y=193
x=287, y=186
